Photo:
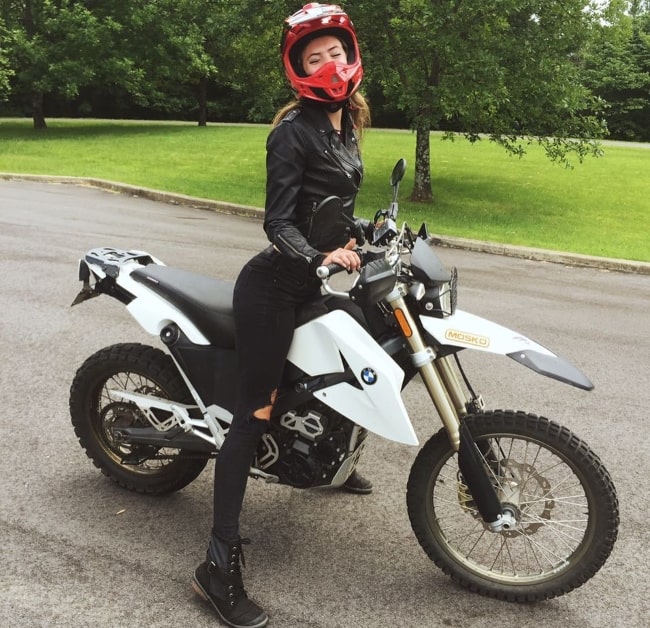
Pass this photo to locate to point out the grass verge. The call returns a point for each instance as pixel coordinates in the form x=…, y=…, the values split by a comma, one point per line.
x=601, y=207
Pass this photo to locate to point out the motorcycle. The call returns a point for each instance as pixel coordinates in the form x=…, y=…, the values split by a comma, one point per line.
x=509, y=504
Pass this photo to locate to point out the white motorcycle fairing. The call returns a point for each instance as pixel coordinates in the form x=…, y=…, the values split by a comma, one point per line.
x=152, y=311
x=468, y=331
x=319, y=347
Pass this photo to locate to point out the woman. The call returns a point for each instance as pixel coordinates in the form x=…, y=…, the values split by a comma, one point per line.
x=312, y=153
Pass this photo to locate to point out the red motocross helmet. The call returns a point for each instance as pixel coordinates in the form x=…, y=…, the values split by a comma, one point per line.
x=335, y=81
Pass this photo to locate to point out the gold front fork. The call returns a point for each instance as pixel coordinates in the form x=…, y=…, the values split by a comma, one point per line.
x=439, y=377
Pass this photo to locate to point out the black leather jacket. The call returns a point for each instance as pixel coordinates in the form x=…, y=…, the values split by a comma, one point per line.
x=307, y=161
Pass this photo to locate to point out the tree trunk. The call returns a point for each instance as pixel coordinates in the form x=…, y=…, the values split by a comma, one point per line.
x=38, y=112
x=422, y=179
x=203, y=101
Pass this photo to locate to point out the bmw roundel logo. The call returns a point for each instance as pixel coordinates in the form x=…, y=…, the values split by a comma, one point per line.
x=369, y=376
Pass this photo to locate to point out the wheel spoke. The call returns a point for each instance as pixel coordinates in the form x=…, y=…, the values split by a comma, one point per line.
x=547, y=495
x=552, y=485
x=96, y=414
x=109, y=411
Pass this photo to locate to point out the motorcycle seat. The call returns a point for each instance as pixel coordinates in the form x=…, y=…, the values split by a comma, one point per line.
x=206, y=301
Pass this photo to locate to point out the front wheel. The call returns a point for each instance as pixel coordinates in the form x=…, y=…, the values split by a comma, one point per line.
x=137, y=368
x=560, y=495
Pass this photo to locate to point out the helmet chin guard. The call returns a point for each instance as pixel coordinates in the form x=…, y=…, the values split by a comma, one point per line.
x=335, y=81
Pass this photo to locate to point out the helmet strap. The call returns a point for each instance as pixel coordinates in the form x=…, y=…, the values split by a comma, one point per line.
x=333, y=107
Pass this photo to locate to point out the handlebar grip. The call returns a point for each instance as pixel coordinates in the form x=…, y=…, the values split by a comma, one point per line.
x=322, y=272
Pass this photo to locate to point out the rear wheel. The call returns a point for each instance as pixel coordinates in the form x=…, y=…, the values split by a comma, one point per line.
x=559, y=494
x=94, y=414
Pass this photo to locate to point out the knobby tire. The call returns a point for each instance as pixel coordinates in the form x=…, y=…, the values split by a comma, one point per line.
x=565, y=499
x=138, y=368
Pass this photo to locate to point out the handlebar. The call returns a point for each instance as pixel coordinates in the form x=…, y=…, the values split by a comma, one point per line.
x=391, y=254
x=323, y=272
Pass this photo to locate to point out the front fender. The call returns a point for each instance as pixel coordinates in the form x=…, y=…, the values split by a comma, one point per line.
x=468, y=331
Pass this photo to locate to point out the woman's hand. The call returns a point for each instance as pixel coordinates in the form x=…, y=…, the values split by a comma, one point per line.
x=346, y=257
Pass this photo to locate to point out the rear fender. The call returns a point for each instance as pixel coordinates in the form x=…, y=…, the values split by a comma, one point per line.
x=154, y=313
x=149, y=309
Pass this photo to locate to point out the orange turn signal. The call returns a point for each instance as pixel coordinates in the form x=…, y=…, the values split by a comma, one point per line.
x=403, y=323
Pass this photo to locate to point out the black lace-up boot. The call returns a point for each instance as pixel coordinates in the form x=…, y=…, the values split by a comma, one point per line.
x=219, y=581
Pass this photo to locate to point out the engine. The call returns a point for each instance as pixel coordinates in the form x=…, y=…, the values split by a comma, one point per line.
x=306, y=447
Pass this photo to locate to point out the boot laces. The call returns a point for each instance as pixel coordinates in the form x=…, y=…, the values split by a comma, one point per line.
x=236, y=554
x=235, y=587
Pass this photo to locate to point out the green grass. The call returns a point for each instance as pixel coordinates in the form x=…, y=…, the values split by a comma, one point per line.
x=601, y=207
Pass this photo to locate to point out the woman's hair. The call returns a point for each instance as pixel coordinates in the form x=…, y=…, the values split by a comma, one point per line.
x=357, y=106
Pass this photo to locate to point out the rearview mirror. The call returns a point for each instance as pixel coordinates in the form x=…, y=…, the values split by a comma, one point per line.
x=398, y=172
x=395, y=177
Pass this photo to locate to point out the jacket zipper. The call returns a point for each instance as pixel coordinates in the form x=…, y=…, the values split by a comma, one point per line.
x=307, y=258
x=335, y=159
x=312, y=216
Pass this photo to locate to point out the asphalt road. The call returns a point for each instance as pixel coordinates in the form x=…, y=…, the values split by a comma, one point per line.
x=78, y=551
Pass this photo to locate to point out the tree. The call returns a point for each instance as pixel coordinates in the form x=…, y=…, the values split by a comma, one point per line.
x=145, y=48
x=617, y=69
x=160, y=55
x=54, y=47
x=252, y=68
x=241, y=38
x=5, y=70
x=507, y=69
x=224, y=49
x=171, y=43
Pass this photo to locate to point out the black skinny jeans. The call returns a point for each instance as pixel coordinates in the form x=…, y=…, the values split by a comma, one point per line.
x=268, y=291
